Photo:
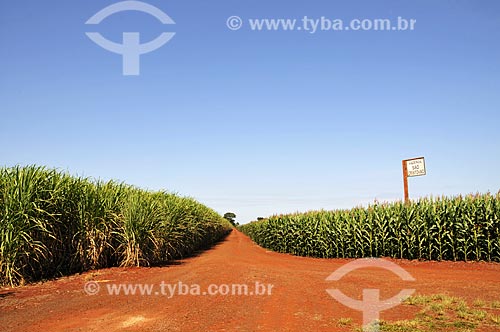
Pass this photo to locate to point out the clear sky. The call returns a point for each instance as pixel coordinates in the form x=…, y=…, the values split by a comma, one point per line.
x=258, y=122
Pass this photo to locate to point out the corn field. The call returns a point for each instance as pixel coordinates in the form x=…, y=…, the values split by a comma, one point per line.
x=460, y=228
x=53, y=224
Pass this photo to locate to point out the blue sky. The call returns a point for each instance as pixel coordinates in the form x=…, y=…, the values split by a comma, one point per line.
x=258, y=122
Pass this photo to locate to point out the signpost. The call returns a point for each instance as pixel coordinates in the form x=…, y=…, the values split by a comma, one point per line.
x=412, y=167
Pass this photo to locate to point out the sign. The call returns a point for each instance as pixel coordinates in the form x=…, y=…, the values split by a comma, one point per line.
x=415, y=167
x=412, y=167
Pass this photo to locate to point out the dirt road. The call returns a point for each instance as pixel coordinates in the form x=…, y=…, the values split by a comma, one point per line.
x=298, y=300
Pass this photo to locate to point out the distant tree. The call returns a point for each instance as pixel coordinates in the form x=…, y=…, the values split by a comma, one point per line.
x=229, y=216
x=260, y=218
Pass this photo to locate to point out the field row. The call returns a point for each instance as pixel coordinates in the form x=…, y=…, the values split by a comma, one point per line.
x=460, y=228
x=53, y=224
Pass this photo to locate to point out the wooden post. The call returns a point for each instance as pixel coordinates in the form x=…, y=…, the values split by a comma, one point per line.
x=405, y=181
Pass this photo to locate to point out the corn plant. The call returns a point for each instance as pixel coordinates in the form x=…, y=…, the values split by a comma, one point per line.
x=459, y=228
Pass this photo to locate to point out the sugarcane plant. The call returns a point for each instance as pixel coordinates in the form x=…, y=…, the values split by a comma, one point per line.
x=54, y=224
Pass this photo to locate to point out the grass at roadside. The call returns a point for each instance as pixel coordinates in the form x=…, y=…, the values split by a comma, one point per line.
x=445, y=313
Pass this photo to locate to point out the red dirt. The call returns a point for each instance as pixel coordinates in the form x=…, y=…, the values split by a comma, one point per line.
x=298, y=302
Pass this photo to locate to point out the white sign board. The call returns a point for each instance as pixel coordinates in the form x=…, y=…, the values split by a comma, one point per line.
x=415, y=167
